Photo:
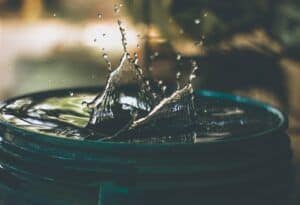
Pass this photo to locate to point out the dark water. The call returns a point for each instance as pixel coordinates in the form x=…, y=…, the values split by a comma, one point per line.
x=65, y=116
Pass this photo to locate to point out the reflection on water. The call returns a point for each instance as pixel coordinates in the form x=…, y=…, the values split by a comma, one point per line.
x=66, y=116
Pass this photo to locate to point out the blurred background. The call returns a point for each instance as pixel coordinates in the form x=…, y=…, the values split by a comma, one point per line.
x=249, y=48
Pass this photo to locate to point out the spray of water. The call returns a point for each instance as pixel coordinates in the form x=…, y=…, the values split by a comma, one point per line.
x=128, y=71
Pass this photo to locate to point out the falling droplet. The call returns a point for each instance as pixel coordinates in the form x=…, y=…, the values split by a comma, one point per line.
x=71, y=94
x=178, y=75
x=116, y=8
x=105, y=56
x=136, y=58
x=164, y=88
x=197, y=21
x=192, y=77
x=160, y=82
x=100, y=15
x=178, y=57
x=199, y=43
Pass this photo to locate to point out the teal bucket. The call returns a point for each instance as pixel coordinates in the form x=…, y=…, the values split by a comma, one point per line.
x=43, y=169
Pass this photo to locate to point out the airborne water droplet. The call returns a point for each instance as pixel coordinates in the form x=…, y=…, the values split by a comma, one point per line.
x=197, y=21
x=71, y=94
x=192, y=77
x=178, y=75
x=116, y=8
x=178, y=57
x=100, y=15
x=105, y=56
x=199, y=43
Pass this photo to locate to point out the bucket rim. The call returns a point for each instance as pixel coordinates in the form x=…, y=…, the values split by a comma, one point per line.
x=281, y=127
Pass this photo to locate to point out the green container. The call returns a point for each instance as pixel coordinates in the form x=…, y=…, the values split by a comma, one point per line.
x=44, y=169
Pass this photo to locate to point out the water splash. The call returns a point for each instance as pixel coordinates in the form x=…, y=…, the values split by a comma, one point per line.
x=104, y=105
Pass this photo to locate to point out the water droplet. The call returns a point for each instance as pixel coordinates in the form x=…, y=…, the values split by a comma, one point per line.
x=197, y=21
x=178, y=75
x=156, y=54
x=192, y=77
x=160, y=82
x=205, y=14
x=116, y=8
x=71, y=94
x=136, y=58
x=178, y=57
x=100, y=15
x=105, y=56
x=199, y=43
x=54, y=14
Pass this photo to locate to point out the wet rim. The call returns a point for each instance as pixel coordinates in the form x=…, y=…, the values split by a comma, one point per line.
x=52, y=139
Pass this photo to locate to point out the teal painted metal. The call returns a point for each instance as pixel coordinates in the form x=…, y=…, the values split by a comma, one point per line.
x=257, y=164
